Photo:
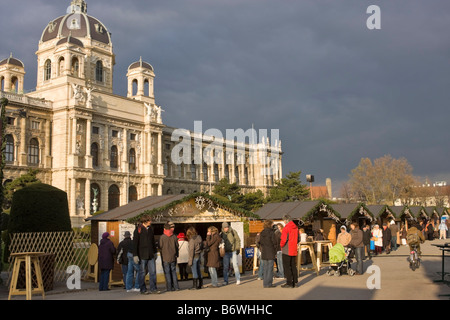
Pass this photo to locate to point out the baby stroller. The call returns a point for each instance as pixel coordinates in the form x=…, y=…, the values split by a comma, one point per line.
x=340, y=261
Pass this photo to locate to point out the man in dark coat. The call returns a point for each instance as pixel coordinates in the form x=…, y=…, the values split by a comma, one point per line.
x=144, y=253
x=268, y=245
x=387, y=237
x=367, y=234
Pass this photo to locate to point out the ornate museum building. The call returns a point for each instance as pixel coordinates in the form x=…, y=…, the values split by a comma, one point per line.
x=103, y=149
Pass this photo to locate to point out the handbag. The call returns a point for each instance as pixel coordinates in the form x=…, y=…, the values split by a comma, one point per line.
x=222, y=249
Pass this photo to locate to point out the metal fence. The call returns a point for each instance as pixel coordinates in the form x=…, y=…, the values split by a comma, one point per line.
x=64, y=248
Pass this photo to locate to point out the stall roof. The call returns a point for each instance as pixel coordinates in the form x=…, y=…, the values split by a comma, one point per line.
x=155, y=204
x=398, y=211
x=348, y=210
x=135, y=208
x=378, y=209
x=416, y=211
x=276, y=211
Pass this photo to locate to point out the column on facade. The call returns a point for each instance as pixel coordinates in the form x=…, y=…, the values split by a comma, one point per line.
x=160, y=165
x=125, y=166
x=106, y=150
x=87, y=197
x=47, y=151
x=73, y=199
x=23, y=142
x=88, y=157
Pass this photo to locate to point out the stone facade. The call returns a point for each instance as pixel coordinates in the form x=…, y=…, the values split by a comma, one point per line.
x=104, y=150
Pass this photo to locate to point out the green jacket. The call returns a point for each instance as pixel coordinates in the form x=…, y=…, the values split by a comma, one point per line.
x=231, y=239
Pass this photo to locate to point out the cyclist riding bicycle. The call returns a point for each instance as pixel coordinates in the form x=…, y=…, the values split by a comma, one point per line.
x=414, y=237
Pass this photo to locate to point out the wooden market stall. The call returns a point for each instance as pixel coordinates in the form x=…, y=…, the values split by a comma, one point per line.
x=199, y=210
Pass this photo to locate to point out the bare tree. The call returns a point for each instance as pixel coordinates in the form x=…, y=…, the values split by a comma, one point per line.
x=382, y=181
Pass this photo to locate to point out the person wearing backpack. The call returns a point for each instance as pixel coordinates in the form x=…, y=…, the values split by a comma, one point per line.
x=414, y=237
x=232, y=249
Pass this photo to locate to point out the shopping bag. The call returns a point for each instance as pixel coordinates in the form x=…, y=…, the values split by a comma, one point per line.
x=372, y=245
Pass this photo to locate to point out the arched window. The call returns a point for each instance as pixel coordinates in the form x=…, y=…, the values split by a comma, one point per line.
x=147, y=87
x=132, y=160
x=227, y=172
x=75, y=67
x=236, y=175
x=2, y=83
x=113, y=197
x=94, y=154
x=132, y=194
x=96, y=197
x=15, y=84
x=33, y=151
x=134, y=87
x=99, y=71
x=9, y=149
x=216, y=172
x=61, y=66
x=114, y=157
x=205, y=172
x=193, y=171
x=47, y=70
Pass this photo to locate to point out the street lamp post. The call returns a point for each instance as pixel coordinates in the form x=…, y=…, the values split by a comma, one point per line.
x=310, y=179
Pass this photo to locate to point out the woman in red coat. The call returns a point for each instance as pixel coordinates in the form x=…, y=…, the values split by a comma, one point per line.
x=288, y=244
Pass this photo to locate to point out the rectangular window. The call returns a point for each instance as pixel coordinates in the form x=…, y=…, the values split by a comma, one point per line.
x=35, y=125
x=95, y=130
x=10, y=121
x=115, y=133
x=133, y=136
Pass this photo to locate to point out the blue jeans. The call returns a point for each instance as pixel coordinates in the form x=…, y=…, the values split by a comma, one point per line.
x=359, y=255
x=394, y=243
x=213, y=274
x=260, y=269
x=132, y=268
x=196, y=272
x=280, y=264
x=104, y=279
x=151, y=266
x=170, y=272
x=268, y=273
x=226, y=265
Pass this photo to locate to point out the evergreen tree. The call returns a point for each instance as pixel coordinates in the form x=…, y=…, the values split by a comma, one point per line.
x=289, y=189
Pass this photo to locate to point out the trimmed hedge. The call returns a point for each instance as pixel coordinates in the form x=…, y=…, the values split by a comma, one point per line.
x=39, y=208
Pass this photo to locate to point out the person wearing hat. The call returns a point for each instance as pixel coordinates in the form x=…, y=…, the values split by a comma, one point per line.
x=183, y=256
x=125, y=258
x=168, y=244
x=106, y=252
x=232, y=249
x=344, y=237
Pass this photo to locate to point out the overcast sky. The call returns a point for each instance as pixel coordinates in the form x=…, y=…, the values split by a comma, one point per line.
x=336, y=90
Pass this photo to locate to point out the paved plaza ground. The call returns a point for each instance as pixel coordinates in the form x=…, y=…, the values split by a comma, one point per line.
x=397, y=282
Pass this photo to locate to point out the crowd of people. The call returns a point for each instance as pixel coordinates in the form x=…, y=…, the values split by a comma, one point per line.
x=277, y=244
x=137, y=256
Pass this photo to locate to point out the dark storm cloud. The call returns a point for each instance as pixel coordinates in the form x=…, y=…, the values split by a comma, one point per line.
x=336, y=90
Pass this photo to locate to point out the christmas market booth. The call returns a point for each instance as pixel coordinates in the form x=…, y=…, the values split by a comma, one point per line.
x=351, y=212
x=309, y=215
x=382, y=213
x=199, y=210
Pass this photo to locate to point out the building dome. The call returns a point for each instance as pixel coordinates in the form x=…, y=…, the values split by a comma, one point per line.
x=140, y=64
x=12, y=61
x=78, y=24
